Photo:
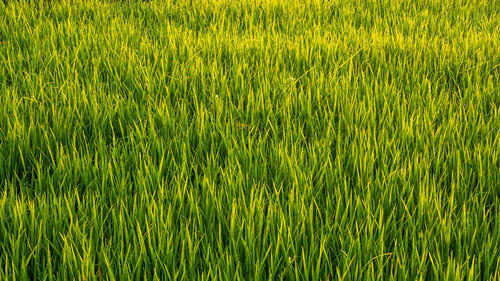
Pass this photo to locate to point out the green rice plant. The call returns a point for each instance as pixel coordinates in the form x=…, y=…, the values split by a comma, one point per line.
x=250, y=140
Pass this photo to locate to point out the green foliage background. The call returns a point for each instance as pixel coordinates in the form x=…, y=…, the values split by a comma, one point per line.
x=250, y=140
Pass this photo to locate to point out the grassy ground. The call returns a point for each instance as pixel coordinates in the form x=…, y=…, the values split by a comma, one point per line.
x=250, y=140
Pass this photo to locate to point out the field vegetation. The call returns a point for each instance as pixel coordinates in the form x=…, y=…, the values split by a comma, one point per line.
x=250, y=140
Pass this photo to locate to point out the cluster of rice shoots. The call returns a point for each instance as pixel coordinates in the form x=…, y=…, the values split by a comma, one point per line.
x=250, y=140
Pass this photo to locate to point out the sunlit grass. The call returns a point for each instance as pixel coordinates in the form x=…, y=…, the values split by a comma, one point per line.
x=250, y=140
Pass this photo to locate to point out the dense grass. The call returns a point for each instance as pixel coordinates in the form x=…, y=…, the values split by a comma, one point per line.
x=250, y=140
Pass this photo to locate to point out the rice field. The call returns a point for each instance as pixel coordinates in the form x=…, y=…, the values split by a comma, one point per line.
x=250, y=140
